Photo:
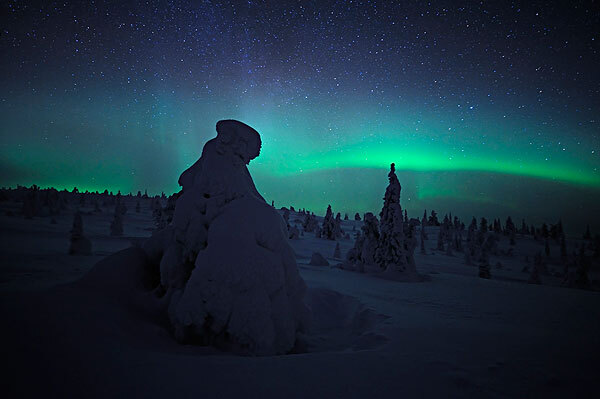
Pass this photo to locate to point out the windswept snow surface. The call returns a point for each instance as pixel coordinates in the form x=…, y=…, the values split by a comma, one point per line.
x=66, y=333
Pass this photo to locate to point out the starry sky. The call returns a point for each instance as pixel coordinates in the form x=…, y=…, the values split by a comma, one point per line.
x=487, y=108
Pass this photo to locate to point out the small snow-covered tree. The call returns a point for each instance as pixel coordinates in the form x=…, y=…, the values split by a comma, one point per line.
x=353, y=256
x=450, y=245
x=509, y=227
x=31, y=203
x=483, y=230
x=536, y=269
x=286, y=217
x=563, y=247
x=328, y=226
x=545, y=233
x=345, y=216
x=97, y=206
x=485, y=249
x=116, y=226
x=357, y=217
x=80, y=245
x=587, y=235
x=440, y=240
x=370, y=232
x=524, y=229
x=484, y=269
x=294, y=233
x=467, y=257
x=310, y=223
x=337, y=226
x=433, y=220
x=337, y=252
x=472, y=230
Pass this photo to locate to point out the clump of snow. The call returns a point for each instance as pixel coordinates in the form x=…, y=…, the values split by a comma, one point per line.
x=318, y=260
x=226, y=269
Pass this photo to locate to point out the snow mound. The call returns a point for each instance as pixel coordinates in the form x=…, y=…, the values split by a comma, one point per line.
x=341, y=322
x=318, y=260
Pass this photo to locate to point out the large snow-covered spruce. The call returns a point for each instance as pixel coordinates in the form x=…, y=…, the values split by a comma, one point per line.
x=226, y=269
x=395, y=251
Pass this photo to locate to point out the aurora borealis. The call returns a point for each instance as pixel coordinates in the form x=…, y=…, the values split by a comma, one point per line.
x=487, y=109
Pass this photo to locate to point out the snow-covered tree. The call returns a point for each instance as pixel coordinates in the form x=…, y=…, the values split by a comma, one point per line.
x=468, y=257
x=450, y=245
x=394, y=253
x=472, y=230
x=433, y=220
x=80, y=245
x=116, y=226
x=293, y=233
x=545, y=233
x=337, y=226
x=524, y=229
x=483, y=230
x=357, y=217
x=337, y=254
x=310, y=223
x=587, y=235
x=227, y=273
x=362, y=256
x=328, y=225
x=578, y=276
x=485, y=269
x=536, y=270
x=286, y=218
x=31, y=203
x=423, y=227
x=485, y=249
x=97, y=206
x=509, y=227
x=440, y=240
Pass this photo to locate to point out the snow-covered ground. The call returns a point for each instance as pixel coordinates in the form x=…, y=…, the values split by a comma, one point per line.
x=454, y=335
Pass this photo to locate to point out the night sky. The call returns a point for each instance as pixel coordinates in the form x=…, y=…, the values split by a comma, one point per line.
x=487, y=109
